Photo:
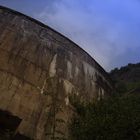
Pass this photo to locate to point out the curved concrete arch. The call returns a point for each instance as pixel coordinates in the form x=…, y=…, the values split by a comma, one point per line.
x=39, y=69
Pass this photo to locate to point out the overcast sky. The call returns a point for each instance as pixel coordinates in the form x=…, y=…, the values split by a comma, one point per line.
x=109, y=30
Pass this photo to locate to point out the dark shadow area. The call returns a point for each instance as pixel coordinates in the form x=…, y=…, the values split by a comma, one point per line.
x=20, y=137
x=8, y=127
x=8, y=121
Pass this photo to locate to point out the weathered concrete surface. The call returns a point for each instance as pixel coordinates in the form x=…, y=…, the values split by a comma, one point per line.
x=39, y=70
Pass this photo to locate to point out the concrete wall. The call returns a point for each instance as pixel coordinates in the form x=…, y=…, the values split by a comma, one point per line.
x=39, y=70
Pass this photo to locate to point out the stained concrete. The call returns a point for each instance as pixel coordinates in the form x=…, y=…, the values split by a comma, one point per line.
x=39, y=70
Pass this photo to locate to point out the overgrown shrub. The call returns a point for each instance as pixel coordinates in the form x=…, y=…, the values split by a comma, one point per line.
x=116, y=118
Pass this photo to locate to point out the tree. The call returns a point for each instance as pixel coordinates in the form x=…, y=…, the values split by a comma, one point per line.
x=116, y=118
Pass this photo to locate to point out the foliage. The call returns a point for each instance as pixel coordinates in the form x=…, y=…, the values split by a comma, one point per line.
x=116, y=118
x=129, y=73
x=131, y=86
x=121, y=87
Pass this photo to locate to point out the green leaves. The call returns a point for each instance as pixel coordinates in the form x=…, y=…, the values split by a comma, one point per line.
x=117, y=118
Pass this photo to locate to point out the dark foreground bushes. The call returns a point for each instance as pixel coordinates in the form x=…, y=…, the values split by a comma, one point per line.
x=117, y=118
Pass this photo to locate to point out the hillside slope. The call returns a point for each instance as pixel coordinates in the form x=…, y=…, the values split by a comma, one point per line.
x=127, y=78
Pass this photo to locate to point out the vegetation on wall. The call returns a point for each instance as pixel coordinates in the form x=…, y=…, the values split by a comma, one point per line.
x=53, y=123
